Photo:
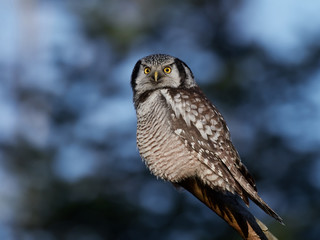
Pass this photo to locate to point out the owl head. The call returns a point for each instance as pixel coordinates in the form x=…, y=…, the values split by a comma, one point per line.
x=160, y=71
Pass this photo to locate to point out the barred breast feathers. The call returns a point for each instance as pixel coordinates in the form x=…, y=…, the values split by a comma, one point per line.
x=164, y=154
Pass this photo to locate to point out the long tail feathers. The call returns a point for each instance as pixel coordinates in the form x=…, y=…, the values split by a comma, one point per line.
x=258, y=200
x=227, y=206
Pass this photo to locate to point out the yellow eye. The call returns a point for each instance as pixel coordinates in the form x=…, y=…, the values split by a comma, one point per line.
x=167, y=70
x=147, y=70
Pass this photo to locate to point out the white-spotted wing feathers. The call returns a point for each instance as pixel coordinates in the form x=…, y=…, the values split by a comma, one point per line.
x=197, y=121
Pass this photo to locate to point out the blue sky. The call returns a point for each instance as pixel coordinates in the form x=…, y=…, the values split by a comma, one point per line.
x=281, y=27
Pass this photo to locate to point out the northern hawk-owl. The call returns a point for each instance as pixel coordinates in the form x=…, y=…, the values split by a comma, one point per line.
x=181, y=135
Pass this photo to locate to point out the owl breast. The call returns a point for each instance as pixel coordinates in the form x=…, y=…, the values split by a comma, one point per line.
x=163, y=152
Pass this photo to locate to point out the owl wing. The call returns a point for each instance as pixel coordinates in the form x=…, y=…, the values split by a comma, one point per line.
x=200, y=124
x=203, y=130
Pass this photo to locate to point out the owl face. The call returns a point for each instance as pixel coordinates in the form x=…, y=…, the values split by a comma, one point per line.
x=160, y=71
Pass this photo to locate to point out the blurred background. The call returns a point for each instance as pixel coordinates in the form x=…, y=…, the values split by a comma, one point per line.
x=69, y=166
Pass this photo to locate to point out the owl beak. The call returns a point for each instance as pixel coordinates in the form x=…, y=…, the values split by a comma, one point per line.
x=156, y=74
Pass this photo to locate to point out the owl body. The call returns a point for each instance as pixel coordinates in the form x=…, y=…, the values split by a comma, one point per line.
x=163, y=141
x=181, y=135
x=158, y=143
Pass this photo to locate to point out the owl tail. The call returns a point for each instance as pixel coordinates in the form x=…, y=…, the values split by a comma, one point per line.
x=262, y=204
x=227, y=206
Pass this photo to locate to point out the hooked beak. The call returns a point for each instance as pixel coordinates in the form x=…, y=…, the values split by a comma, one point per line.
x=156, y=76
